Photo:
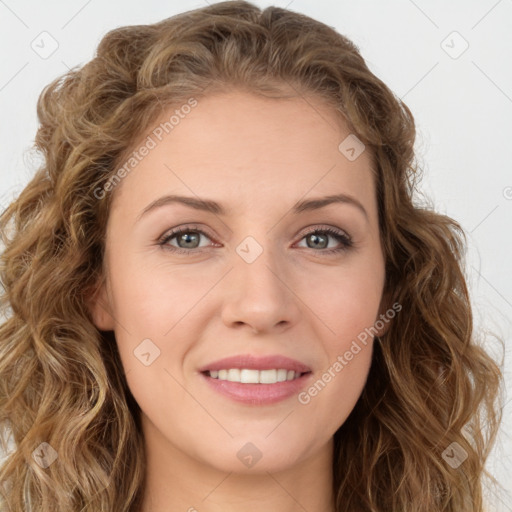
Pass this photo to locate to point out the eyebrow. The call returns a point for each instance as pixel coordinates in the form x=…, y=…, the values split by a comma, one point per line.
x=211, y=206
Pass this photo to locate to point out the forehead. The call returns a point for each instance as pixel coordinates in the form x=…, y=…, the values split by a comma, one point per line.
x=247, y=147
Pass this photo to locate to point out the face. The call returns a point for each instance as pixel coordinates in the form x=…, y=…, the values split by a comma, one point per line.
x=252, y=265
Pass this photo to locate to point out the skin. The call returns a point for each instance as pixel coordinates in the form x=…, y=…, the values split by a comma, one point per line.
x=257, y=157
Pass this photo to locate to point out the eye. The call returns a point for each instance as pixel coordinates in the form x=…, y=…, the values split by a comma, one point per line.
x=187, y=240
x=319, y=238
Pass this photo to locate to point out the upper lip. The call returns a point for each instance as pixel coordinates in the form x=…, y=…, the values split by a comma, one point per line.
x=257, y=363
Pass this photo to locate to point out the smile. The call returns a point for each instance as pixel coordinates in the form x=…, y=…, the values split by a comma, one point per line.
x=252, y=376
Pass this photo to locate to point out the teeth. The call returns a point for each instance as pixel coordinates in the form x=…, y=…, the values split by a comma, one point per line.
x=234, y=375
x=281, y=375
x=268, y=377
x=249, y=376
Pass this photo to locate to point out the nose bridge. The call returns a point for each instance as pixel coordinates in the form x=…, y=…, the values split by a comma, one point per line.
x=257, y=294
x=257, y=266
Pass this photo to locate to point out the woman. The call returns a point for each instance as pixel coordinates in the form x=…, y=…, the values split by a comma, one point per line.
x=222, y=294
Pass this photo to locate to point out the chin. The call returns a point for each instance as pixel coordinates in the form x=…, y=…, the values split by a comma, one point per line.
x=255, y=455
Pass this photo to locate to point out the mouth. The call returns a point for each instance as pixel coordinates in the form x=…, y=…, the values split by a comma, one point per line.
x=256, y=380
x=251, y=376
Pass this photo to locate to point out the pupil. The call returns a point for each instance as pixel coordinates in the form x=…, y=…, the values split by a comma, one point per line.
x=187, y=238
x=316, y=238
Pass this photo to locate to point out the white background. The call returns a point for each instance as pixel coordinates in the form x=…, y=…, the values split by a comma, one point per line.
x=462, y=107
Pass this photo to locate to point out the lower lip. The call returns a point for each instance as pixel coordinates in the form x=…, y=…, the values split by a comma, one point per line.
x=258, y=394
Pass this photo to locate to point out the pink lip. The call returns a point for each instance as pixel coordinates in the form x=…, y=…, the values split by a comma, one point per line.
x=257, y=363
x=257, y=394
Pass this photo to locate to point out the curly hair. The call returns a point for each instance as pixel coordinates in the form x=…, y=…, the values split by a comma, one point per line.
x=61, y=381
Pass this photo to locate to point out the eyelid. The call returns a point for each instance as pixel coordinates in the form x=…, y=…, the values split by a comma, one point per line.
x=324, y=227
x=163, y=242
x=184, y=228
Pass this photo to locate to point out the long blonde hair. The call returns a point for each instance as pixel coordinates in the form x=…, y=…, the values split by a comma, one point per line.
x=61, y=380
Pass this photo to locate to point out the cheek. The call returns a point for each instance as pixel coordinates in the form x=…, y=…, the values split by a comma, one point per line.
x=152, y=299
x=154, y=309
x=350, y=308
x=347, y=303
x=166, y=306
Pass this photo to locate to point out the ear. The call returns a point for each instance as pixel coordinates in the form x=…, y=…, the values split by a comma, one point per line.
x=100, y=307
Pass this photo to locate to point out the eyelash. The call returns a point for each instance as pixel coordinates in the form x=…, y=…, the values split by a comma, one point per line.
x=341, y=237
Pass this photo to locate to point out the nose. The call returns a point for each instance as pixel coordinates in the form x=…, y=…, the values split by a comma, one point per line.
x=259, y=295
